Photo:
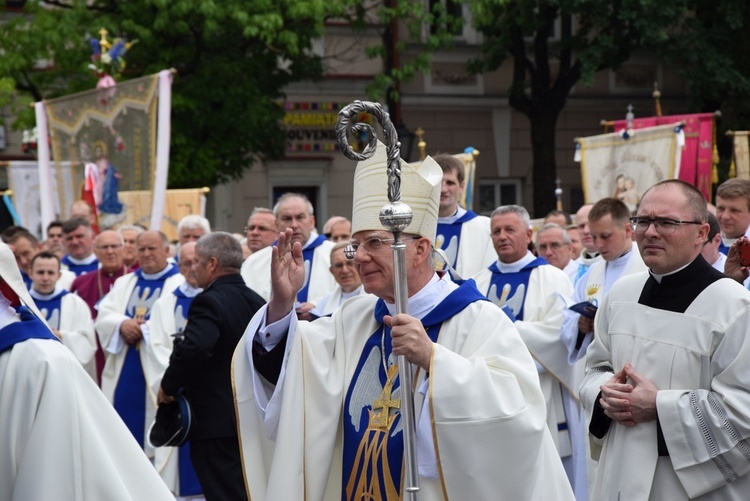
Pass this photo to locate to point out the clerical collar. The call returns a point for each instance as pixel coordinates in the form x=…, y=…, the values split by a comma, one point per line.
x=460, y=211
x=45, y=297
x=8, y=314
x=347, y=295
x=516, y=266
x=589, y=255
x=189, y=290
x=313, y=237
x=658, y=278
x=424, y=301
x=158, y=275
x=87, y=260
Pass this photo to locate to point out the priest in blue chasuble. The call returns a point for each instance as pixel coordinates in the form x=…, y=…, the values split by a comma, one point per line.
x=124, y=334
x=318, y=402
x=530, y=290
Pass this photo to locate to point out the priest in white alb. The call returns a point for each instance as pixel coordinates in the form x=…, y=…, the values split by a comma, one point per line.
x=319, y=402
x=667, y=386
x=59, y=437
x=294, y=210
x=123, y=333
x=462, y=234
x=530, y=289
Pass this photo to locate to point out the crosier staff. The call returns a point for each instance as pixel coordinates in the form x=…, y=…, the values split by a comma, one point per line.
x=395, y=216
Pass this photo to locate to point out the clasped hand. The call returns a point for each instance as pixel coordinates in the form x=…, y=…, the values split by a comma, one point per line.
x=626, y=403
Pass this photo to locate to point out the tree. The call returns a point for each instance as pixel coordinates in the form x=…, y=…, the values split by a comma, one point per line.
x=232, y=57
x=554, y=45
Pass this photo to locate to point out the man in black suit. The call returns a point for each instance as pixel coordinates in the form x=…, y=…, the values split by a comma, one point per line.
x=200, y=364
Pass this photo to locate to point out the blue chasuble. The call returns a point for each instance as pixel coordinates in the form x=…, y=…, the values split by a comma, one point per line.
x=373, y=439
x=130, y=393
x=26, y=279
x=449, y=236
x=509, y=289
x=29, y=327
x=80, y=269
x=50, y=308
x=189, y=485
x=307, y=257
x=181, y=309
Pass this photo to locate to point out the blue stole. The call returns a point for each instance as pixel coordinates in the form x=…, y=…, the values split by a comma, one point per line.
x=29, y=327
x=189, y=485
x=307, y=257
x=449, y=236
x=181, y=309
x=80, y=269
x=723, y=248
x=51, y=309
x=26, y=279
x=509, y=289
x=130, y=393
x=373, y=442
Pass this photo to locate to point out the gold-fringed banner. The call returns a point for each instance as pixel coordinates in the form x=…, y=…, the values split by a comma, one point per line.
x=742, y=156
x=623, y=167
x=179, y=203
x=469, y=159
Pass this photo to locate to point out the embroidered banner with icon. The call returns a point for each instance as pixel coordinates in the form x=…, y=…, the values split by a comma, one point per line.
x=623, y=166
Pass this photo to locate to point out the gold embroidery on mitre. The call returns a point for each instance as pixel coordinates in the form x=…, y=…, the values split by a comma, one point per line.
x=372, y=453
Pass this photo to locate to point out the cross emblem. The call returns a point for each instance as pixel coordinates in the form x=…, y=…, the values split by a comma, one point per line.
x=385, y=403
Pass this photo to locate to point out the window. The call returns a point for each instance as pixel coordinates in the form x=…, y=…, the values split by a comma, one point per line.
x=496, y=192
x=461, y=27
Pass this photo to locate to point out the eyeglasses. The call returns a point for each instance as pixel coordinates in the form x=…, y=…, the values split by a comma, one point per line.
x=553, y=246
x=663, y=226
x=371, y=245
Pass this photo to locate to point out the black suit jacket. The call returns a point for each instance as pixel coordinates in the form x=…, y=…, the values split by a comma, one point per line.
x=201, y=363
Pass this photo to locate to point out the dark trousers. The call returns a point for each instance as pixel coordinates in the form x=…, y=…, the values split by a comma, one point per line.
x=219, y=468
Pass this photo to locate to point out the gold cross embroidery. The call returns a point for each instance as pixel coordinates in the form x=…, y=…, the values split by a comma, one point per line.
x=385, y=403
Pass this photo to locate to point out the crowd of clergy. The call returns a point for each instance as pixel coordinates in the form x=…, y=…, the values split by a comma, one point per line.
x=641, y=358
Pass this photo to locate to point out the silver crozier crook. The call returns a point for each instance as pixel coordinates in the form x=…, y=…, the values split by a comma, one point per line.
x=394, y=216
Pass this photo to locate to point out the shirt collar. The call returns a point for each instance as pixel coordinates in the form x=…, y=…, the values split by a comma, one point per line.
x=516, y=266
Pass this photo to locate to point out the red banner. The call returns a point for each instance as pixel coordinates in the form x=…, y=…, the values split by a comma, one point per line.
x=695, y=166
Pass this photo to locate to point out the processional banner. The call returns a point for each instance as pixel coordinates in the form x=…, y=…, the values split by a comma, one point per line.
x=741, y=154
x=113, y=140
x=23, y=180
x=178, y=204
x=624, y=166
x=697, y=154
x=469, y=159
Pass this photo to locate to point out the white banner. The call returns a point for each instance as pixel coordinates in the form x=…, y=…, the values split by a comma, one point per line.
x=742, y=156
x=23, y=179
x=624, y=166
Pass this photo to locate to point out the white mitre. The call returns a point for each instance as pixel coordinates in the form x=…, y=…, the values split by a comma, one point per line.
x=12, y=277
x=420, y=190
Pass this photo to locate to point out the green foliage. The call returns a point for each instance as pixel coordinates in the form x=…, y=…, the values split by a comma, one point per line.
x=556, y=44
x=232, y=58
x=418, y=46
